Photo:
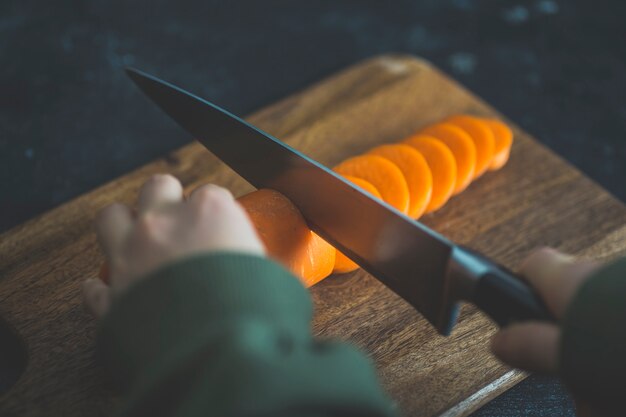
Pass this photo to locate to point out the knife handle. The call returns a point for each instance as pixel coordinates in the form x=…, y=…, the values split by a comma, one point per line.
x=507, y=299
x=503, y=295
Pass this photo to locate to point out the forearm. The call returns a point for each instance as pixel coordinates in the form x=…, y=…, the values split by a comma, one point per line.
x=226, y=335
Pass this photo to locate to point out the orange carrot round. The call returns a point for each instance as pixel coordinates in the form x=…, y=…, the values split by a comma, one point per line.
x=365, y=185
x=382, y=174
x=416, y=173
x=442, y=166
x=343, y=264
x=287, y=237
x=463, y=149
x=503, y=140
x=483, y=139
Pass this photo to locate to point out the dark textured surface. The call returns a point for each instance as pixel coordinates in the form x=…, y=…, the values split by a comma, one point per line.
x=537, y=396
x=70, y=120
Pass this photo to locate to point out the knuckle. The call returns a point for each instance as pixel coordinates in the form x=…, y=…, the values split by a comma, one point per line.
x=214, y=196
x=162, y=180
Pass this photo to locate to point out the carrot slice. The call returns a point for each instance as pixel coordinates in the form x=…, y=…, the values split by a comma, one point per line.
x=442, y=165
x=287, y=237
x=416, y=173
x=502, y=144
x=343, y=264
x=382, y=174
x=463, y=149
x=365, y=185
x=483, y=139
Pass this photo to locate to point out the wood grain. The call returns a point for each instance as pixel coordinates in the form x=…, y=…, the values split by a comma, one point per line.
x=537, y=199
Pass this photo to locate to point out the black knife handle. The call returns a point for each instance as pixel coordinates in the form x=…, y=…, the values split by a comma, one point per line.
x=500, y=293
x=507, y=299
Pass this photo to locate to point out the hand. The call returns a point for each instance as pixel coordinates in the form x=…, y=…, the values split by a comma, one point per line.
x=165, y=228
x=534, y=346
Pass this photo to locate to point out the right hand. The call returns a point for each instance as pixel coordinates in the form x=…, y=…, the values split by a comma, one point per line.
x=534, y=346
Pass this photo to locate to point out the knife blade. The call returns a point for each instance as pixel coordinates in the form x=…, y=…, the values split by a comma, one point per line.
x=426, y=269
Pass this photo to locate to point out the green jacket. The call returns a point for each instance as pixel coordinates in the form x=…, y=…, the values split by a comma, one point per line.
x=229, y=335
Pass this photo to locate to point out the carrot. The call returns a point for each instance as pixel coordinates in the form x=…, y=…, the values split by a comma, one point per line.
x=343, y=264
x=442, y=165
x=483, y=139
x=366, y=186
x=416, y=173
x=463, y=149
x=382, y=174
x=287, y=237
x=502, y=145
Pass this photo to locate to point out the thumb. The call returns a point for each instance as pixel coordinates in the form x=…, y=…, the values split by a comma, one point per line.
x=96, y=297
x=532, y=346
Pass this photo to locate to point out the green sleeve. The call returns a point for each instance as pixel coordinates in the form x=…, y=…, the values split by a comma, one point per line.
x=229, y=335
x=593, y=342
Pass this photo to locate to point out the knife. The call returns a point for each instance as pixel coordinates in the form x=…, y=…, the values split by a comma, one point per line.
x=427, y=270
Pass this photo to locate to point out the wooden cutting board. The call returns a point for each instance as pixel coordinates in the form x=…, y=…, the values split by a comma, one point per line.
x=537, y=199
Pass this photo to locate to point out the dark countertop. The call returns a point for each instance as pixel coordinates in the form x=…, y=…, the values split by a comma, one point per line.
x=70, y=120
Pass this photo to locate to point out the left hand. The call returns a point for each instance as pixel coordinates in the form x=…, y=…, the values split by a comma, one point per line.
x=164, y=229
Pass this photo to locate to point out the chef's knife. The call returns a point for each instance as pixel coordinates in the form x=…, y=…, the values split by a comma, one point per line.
x=423, y=267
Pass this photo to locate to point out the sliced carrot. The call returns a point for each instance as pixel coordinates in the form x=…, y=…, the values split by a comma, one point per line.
x=483, y=139
x=382, y=174
x=503, y=136
x=463, y=149
x=442, y=166
x=365, y=185
x=287, y=237
x=343, y=264
x=416, y=173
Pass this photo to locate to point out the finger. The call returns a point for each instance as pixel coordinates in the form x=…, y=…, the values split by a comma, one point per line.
x=159, y=191
x=210, y=193
x=96, y=297
x=531, y=346
x=113, y=224
x=231, y=227
x=556, y=276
